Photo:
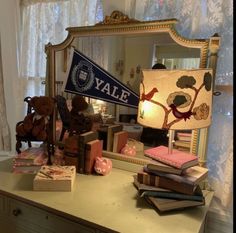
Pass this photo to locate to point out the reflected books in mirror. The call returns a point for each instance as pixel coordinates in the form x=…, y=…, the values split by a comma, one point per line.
x=112, y=129
x=120, y=139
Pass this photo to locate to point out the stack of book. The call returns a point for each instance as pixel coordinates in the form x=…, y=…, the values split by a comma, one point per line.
x=171, y=181
x=81, y=151
x=29, y=160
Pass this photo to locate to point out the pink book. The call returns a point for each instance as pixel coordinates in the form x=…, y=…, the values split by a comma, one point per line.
x=32, y=155
x=178, y=159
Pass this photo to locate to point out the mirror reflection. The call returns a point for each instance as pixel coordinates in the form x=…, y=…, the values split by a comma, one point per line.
x=124, y=57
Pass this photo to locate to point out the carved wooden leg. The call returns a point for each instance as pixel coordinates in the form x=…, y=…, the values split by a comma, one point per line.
x=62, y=133
x=29, y=144
x=50, y=148
x=18, y=146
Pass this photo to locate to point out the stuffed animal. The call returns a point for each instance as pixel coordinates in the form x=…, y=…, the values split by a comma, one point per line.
x=79, y=121
x=35, y=123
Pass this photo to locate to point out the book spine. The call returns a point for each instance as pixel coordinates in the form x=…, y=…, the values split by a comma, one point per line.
x=171, y=170
x=174, y=177
x=110, y=135
x=120, y=139
x=164, y=182
x=83, y=139
x=172, y=195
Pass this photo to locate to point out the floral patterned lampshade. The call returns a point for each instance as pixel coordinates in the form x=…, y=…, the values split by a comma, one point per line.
x=176, y=99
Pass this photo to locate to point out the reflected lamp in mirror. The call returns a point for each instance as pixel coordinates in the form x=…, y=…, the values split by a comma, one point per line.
x=175, y=100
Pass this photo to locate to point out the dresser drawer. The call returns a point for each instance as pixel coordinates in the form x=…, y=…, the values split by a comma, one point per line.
x=2, y=204
x=24, y=213
x=61, y=225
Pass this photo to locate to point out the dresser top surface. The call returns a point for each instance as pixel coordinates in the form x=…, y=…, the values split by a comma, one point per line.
x=110, y=201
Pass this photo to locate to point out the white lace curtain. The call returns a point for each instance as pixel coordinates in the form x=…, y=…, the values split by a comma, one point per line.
x=43, y=22
x=202, y=19
x=46, y=21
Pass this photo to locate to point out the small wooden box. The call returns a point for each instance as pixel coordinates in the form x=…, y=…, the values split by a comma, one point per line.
x=55, y=178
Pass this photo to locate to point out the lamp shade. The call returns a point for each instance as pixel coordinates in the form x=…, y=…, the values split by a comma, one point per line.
x=176, y=99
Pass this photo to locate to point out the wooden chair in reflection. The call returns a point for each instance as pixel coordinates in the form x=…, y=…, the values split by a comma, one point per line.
x=73, y=124
x=64, y=114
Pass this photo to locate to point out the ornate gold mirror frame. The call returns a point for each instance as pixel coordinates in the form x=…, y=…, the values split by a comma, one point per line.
x=120, y=24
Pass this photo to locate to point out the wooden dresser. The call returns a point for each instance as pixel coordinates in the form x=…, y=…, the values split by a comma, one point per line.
x=97, y=204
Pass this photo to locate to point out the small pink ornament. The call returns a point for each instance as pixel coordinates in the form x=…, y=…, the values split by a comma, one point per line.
x=129, y=150
x=102, y=165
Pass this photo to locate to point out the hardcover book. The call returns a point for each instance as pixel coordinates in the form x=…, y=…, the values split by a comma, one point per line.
x=19, y=168
x=165, y=204
x=184, y=136
x=31, y=155
x=112, y=129
x=148, y=190
x=192, y=176
x=71, y=147
x=182, y=144
x=72, y=161
x=158, y=166
x=55, y=178
x=93, y=150
x=120, y=139
x=165, y=182
x=178, y=159
x=30, y=160
x=82, y=140
x=102, y=135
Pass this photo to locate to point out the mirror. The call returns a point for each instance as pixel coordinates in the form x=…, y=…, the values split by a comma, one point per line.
x=123, y=47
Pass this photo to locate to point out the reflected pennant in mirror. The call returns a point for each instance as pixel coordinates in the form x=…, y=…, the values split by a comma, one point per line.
x=85, y=77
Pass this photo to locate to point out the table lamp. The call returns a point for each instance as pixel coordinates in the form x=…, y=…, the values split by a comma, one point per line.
x=175, y=100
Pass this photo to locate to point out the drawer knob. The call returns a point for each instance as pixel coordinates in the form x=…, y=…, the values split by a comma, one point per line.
x=16, y=212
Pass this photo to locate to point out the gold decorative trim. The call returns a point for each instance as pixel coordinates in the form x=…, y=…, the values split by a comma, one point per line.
x=117, y=17
x=194, y=141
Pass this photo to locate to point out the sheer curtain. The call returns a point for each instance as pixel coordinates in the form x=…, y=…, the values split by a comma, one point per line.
x=43, y=22
x=5, y=143
x=201, y=19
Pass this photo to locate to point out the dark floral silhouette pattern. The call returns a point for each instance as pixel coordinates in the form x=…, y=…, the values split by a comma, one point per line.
x=180, y=99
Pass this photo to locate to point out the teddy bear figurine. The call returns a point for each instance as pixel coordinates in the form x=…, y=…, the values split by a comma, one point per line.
x=35, y=123
x=80, y=122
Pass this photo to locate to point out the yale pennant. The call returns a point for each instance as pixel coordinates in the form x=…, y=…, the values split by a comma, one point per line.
x=84, y=77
